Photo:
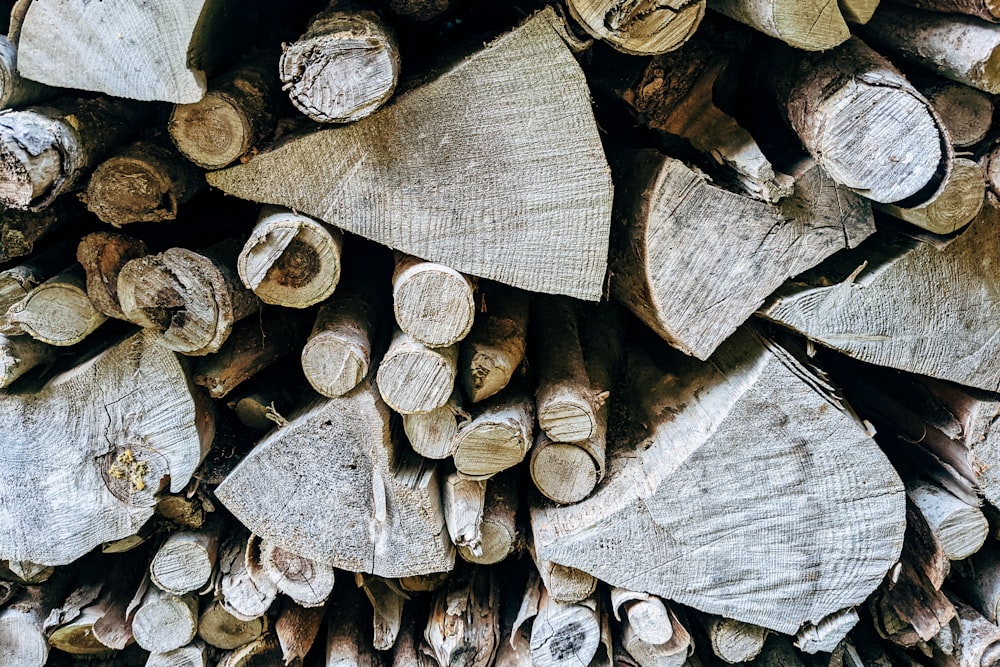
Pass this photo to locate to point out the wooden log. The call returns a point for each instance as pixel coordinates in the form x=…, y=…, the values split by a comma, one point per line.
x=636, y=28
x=498, y=528
x=307, y=581
x=674, y=652
x=961, y=529
x=67, y=141
x=165, y=621
x=889, y=312
x=22, y=640
x=20, y=354
x=827, y=635
x=463, y=627
x=734, y=641
x=858, y=11
x=290, y=259
x=235, y=118
x=977, y=641
x=21, y=231
x=156, y=432
x=979, y=584
x=260, y=402
x=497, y=437
x=648, y=616
x=260, y=652
x=812, y=25
x=119, y=600
x=463, y=500
x=102, y=256
x=563, y=472
x=778, y=652
x=433, y=304
x=415, y=378
x=961, y=48
x=652, y=491
x=344, y=67
x=953, y=207
x=514, y=648
x=297, y=628
x=694, y=291
x=57, y=312
x=185, y=560
x=183, y=511
x=247, y=592
x=988, y=10
x=565, y=634
x=965, y=111
x=218, y=628
x=565, y=194
x=18, y=281
x=495, y=346
x=190, y=299
x=424, y=583
x=384, y=500
x=194, y=654
x=432, y=434
x=347, y=633
x=15, y=90
x=564, y=584
x=388, y=600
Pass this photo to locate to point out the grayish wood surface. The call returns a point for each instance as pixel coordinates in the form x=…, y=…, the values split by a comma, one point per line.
x=306, y=581
x=497, y=437
x=495, y=346
x=434, y=304
x=432, y=434
x=813, y=25
x=463, y=627
x=164, y=621
x=185, y=560
x=19, y=354
x=57, y=312
x=102, y=256
x=639, y=28
x=413, y=378
x=953, y=207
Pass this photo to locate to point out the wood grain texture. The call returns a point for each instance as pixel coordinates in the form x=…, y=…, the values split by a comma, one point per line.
x=164, y=621
x=733, y=641
x=434, y=304
x=304, y=580
x=404, y=176
x=497, y=437
x=812, y=25
x=498, y=528
x=219, y=628
x=495, y=346
x=954, y=206
x=297, y=628
x=988, y=10
x=388, y=601
x=19, y=354
x=639, y=28
x=825, y=636
x=102, y=256
x=858, y=11
x=965, y=111
x=246, y=591
x=194, y=654
x=463, y=627
x=413, y=378
x=185, y=560
x=59, y=311
x=432, y=434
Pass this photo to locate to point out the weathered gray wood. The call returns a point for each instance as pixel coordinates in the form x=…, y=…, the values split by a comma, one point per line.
x=825, y=636
x=813, y=25
x=15, y=90
x=262, y=651
x=102, y=256
x=184, y=562
x=348, y=633
x=639, y=28
x=463, y=500
x=309, y=582
x=296, y=629
x=858, y=11
x=977, y=641
x=414, y=378
x=564, y=584
x=388, y=601
x=65, y=491
x=756, y=394
x=980, y=581
x=19, y=354
x=247, y=592
x=647, y=614
x=674, y=652
x=495, y=346
x=194, y=654
x=219, y=628
x=954, y=206
x=734, y=641
x=22, y=640
x=463, y=627
x=18, y=281
x=965, y=111
x=434, y=304
x=892, y=311
x=497, y=437
x=165, y=622
x=558, y=209
x=336, y=465
x=960, y=528
x=565, y=634
x=432, y=434
x=498, y=528
x=988, y=10
x=57, y=312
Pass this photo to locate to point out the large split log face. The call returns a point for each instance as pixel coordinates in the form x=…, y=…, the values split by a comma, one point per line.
x=334, y=486
x=453, y=167
x=85, y=455
x=907, y=304
x=751, y=443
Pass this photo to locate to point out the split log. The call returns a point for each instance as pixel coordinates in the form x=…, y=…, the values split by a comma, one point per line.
x=15, y=90
x=247, y=592
x=220, y=629
x=432, y=434
x=20, y=354
x=66, y=142
x=21, y=231
x=674, y=652
x=858, y=11
x=498, y=528
x=190, y=299
x=304, y=580
x=184, y=562
x=194, y=654
x=564, y=584
x=347, y=633
x=965, y=111
x=102, y=256
x=155, y=434
x=463, y=627
x=261, y=652
x=343, y=68
x=960, y=48
x=235, y=118
x=734, y=641
x=290, y=259
x=165, y=622
x=22, y=640
x=18, y=281
x=497, y=437
x=495, y=346
x=57, y=312
x=683, y=264
x=335, y=464
x=886, y=307
x=388, y=601
x=565, y=194
x=637, y=28
x=988, y=10
x=463, y=500
x=695, y=414
x=647, y=615
x=954, y=206
x=435, y=305
x=977, y=641
x=565, y=634
x=813, y=26
x=296, y=629
x=415, y=378
x=827, y=635
x=961, y=529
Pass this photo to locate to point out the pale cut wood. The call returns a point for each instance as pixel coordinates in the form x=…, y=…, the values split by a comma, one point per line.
x=954, y=206
x=415, y=378
x=388, y=600
x=193, y=655
x=18, y=281
x=22, y=640
x=20, y=354
x=965, y=111
x=565, y=634
x=825, y=636
x=347, y=634
x=495, y=346
x=343, y=68
x=558, y=209
x=812, y=25
x=463, y=500
x=564, y=584
x=102, y=256
x=307, y=581
x=26, y=572
x=261, y=652
x=977, y=641
x=890, y=313
x=671, y=653
x=58, y=312
x=184, y=562
x=190, y=299
x=961, y=48
x=463, y=628
x=165, y=622
x=16, y=91
x=684, y=262
x=647, y=615
x=858, y=11
x=219, y=628
x=759, y=395
x=434, y=304
x=497, y=437
x=432, y=434
x=65, y=491
x=563, y=472
x=498, y=528
x=639, y=28
x=339, y=457
x=245, y=589
x=960, y=528
x=236, y=116
x=988, y=10
x=296, y=629
x=290, y=259
x=734, y=641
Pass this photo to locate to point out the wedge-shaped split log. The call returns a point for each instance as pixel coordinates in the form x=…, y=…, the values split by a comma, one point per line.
x=527, y=164
x=769, y=435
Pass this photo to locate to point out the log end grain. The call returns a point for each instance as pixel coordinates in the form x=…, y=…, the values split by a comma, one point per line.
x=639, y=28
x=212, y=132
x=564, y=473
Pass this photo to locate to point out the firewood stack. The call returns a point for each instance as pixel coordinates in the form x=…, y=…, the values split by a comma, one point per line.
x=420, y=332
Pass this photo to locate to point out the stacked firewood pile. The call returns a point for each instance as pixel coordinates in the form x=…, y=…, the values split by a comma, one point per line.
x=602, y=332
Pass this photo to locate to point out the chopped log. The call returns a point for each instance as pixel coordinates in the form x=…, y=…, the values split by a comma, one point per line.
x=463, y=627
x=307, y=581
x=564, y=584
x=778, y=652
x=980, y=581
x=67, y=491
x=18, y=281
x=514, y=647
x=26, y=572
x=495, y=346
x=194, y=654
x=335, y=464
x=424, y=583
x=220, y=629
x=102, y=256
x=290, y=259
x=988, y=10
x=868, y=127
x=965, y=111
x=858, y=11
x=683, y=262
x=961, y=48
x=961, y=529
x=435, y=305
x=463, y=500
x=261, y=652
x=388, y=601
x=22, y=640
x=497, y=437
x=953, y=207
x=69, y=625
x=58, y=312
x=66, y=142
x=21, y=231
x=672, y=653
x=165, y=621
x=825, y=636
x=647, y=615
x=20, y=354
x=652, y=491
x=563, y=472
x=432, y=434
x=15, y=90
x=566, y=192
x=184, y=562
x=260, y=402
x=977, y=640
x=191, y=299
x=247, y=592
x=415, y=378
x=498, y=528
x=813, y=25
x=296, y=629
x=344, y=67
x=638, y=28
x=565, y=634
x=734, y=641
x=234, y=119
x=347, y=633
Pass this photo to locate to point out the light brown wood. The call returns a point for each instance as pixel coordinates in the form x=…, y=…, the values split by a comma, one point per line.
x=463, y=627
x=564, y=584
x=348, y=633
x=165, y=622
x=297, y=628
x=495, y=346
x=260, y=402
x=674, y=652
x=497, y=437
x=647, y=615
x=58, y=311
x=307, y=581
x=827, y=635
x=424, y=583
x=433, y=304
x=387, y=600
x=184, y=562
x=194, y=654
x=413, y=378
x=960, y=528
x=102, y=256
x=261, y=652
x=565, y=634
x=498, y=528
x=22, y=231
x=432, y=434
x=733, y=641
x=219, y=628
x=18, y=281
x=246, y=591
x=463, y=500
x=953, y=207
x=813, y=25
x=639, y=28
x=965, y=111
x=15, y=90
x=858, y=11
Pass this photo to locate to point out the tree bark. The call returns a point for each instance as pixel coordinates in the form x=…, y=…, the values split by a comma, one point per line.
x=57, y=312
x=347, y=636
x=497, y=437
x=21, y=231
x=433, y=304
x=296, y=629
x=102, y=256
x=673, y=652
x=988, y=10
x=15, y=90
x=18, y=281
x=432, y=434
x=953, y=207
x=261, y=652
x=977, y=640
x=812, y=25
x=413, y=378
x=165, y=622
x=184, y=562
x=961, y=529
x=463, y=628
x=495, y=346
